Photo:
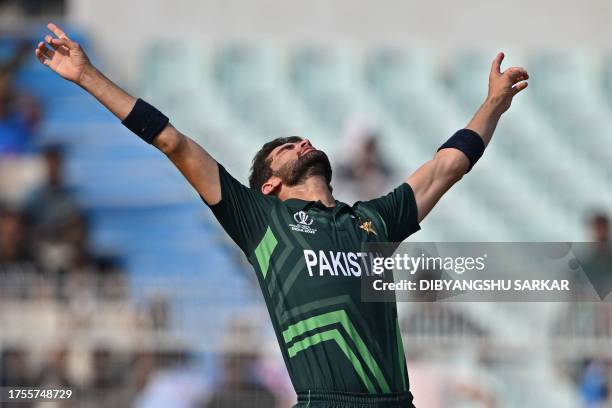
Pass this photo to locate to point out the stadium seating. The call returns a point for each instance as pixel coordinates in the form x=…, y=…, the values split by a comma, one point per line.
x=254, y=92
x=139, y=205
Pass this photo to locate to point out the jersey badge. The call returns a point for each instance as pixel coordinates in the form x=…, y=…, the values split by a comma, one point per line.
x=367, y=227
x=303, y=223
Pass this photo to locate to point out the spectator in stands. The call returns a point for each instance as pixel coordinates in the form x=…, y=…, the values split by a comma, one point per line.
x=111, y=282
x=18, y=266
x=22, y=8
x=143, y=368
x=587, y=316
x=53, y=205
x=83, y=270
x=64, y=244
x=15, y=372
x=600, y=229
x=363, y=171
x=241, y=384
x=594, y=385
x=20, y=114
x=175, y=384
x=54, y=373
x=106, y=373
x=61, y=232
x=60, y=229
x=239, y=388
x=14, y=369
x=14, y=244
x=159, y=311
x=106, y=386
x=598, y=266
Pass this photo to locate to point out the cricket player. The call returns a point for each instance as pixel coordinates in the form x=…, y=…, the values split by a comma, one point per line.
x=305, y=246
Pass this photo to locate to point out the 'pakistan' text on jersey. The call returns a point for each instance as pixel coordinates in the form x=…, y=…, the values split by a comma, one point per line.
x=308, y=259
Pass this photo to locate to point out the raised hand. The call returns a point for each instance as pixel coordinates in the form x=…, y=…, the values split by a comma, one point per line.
x=65, y=56
x=504, y=85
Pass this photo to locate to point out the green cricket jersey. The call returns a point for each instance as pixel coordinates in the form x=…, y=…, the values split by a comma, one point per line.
x=308, y=259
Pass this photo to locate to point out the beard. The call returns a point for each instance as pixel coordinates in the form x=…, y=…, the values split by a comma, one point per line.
x=312, y=164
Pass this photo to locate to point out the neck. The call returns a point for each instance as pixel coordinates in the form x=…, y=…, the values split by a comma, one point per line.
x=313, y=189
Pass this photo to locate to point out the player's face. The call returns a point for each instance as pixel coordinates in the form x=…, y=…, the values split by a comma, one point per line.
x=294, y=162
x=289, y=152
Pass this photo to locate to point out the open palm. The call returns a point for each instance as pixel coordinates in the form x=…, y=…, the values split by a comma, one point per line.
x=64, y=57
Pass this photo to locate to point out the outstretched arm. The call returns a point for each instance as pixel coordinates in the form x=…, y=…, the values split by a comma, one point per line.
x=68, y=59
x=448, y=166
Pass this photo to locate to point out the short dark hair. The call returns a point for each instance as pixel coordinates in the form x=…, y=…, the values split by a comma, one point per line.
x=260, y=168
x=600, y=218
x=54, y=149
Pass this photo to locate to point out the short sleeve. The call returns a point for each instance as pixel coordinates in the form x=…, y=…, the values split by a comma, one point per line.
x=242, y=211
x=398, y=212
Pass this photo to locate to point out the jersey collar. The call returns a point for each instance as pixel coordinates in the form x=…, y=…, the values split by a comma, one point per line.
x=302, y=205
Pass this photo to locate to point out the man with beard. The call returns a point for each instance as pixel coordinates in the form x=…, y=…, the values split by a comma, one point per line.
x=306, y=247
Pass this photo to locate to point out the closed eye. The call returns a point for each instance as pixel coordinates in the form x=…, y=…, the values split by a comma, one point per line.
x=284, y=148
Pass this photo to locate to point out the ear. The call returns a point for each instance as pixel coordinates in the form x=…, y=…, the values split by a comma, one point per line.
x=270, y=186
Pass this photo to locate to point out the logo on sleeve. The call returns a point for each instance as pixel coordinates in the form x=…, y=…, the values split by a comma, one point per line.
x=303, y=223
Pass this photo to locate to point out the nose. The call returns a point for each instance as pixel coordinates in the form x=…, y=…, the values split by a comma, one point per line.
x=305, y=143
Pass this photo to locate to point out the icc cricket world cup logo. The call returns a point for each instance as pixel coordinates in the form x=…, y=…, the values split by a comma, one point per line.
x=303, y=223
x=302, y=218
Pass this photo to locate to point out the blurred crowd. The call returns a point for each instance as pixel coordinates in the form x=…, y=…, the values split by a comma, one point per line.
x=45, y=248
x=31, y=8
x=593, y=374
x=361, y=171
x=46, y=255
x=159, y=376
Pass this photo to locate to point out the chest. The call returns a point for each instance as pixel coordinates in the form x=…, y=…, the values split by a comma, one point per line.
x=323, y=244
x=326, y=230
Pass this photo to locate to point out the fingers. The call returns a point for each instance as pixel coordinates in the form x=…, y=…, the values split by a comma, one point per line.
x=40, y=57
x=56, y=30
x=46, y=52
x=58, y=42
x=49, y=40
x=516, y=74
x=55, y=43
x=517, y=77
x=519, y=87
x=496, y=64
x=43, y=54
